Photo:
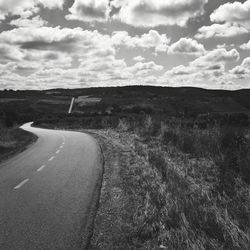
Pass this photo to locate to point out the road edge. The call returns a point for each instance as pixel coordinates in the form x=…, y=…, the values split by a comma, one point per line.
x=88, y=223
x=92, y=209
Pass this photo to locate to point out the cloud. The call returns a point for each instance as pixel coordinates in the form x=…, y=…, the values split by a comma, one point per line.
x=235, y=12
x=139, y=59
x=10, y=53
x=220, y=30
x=35, y=21
x=26, y=7
x=152, y=39
x=55, y=38
x=220, y=55
x=245, y=46
x=48, y=57
x=207, y=69
x=94, y=72
x=243, y=70
x=15, y=7
x=181, y=70
x=240, y=71
x=39, y=49
x=145, y=67
x=152, y=13
x=89, y=10
x=191, y=76
x=246, y=63
x=51, y=4
x=187, y=46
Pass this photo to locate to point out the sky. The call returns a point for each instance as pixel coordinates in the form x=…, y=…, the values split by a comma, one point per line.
x=47, y=44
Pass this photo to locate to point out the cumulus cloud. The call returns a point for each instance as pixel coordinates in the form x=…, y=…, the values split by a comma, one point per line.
x=82, y=58
x=10, y=53
x=89, y=10
x=235, y=12
x=51, y=4
x=209, y=68
x=44, y=47
x=35, y=21
x=56, y=38
x=37, y=55
x=191, y=76
x=220, y=30
x=243, y=70
x=187, y=46
x=246, y=63
x=181, y=70
x=26, y=7
x=152, y=39
x=47, y=59
x=15, y=7
x=145, y=67
x=220, y=55
x=245, y=46
x=139, y=58
x=152, y=13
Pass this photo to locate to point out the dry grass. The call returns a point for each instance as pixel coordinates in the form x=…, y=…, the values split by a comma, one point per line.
x=187, y=189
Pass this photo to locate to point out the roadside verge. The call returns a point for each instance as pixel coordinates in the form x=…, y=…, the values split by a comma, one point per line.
x=114, y=202
x=14, y=141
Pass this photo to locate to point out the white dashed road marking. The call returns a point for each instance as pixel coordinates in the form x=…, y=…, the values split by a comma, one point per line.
x=21, y=184
x=41, y=168
x=51, y=158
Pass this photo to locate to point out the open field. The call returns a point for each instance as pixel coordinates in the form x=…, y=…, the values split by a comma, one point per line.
x=177, y=161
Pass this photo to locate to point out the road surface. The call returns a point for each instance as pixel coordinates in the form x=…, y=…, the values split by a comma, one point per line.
x=48, y=193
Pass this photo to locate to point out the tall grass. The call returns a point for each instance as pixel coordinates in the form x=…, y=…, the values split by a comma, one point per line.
x=192, y=187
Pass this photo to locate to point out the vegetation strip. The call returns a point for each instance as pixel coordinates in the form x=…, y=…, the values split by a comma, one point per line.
x=163, y=190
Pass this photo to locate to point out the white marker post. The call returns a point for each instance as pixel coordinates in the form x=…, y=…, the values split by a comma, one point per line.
x=71, y=105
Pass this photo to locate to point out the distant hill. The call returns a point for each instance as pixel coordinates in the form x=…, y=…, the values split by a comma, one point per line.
x=31, y=105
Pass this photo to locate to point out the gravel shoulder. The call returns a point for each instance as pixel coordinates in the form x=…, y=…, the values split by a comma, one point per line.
x=109, y=223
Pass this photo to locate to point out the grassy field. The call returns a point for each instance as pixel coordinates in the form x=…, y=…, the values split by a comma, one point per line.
x=177, y=162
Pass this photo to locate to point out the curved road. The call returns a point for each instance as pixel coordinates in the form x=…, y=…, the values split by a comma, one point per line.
x=48, y=193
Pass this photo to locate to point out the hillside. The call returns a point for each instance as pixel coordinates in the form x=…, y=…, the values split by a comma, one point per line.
x=26, y=106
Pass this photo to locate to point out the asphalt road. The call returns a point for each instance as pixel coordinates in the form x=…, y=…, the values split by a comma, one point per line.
x=48, y=193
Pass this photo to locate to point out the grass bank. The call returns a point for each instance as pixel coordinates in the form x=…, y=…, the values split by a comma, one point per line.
x=172, y=187
x=14, y=140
